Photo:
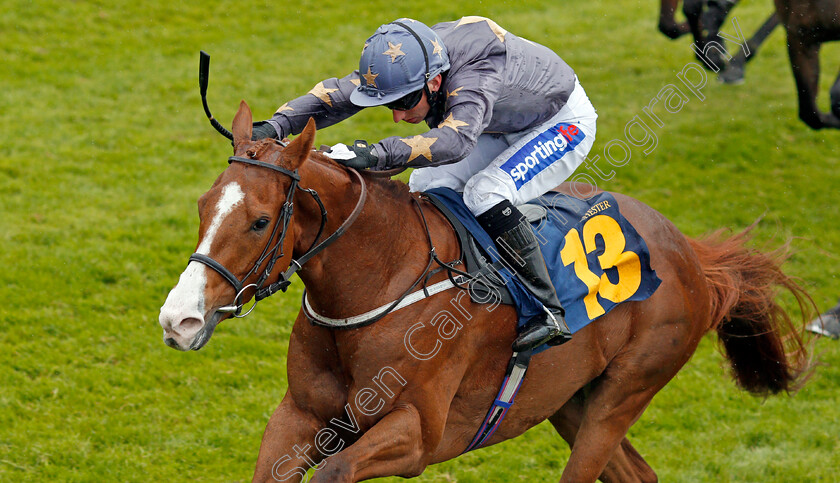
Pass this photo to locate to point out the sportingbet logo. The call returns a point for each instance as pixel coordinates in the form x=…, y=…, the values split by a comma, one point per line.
x=549, y=146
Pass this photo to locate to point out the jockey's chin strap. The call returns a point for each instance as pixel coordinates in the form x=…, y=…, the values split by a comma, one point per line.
x=275, y=252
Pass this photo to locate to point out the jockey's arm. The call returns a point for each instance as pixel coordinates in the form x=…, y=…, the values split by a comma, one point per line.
x=328, y=102
x=470, y=96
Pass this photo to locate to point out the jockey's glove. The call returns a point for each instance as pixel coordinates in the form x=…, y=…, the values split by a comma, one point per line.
x=359, y=155
x=263, y=130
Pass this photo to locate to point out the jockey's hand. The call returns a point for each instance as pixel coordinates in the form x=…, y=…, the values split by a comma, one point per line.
x=263, y=130
x=359, y=155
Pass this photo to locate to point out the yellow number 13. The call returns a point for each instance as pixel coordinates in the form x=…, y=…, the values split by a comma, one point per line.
x=627, y=263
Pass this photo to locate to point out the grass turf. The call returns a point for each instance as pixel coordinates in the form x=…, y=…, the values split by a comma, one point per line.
x=106, y=149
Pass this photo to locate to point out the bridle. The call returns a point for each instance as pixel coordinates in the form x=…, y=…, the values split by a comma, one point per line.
x=272, y=253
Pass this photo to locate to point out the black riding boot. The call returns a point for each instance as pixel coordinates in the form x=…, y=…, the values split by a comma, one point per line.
x=521, y=251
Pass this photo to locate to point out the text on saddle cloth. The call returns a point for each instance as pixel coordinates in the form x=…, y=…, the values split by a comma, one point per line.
x=595, y=256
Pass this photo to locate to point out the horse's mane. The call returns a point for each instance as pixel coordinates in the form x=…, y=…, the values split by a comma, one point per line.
x=395, y=189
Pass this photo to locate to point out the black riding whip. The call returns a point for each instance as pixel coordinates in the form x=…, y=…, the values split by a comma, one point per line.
x=203, y=77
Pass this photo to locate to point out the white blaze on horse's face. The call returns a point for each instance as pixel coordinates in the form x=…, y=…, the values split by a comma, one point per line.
x=183, y=314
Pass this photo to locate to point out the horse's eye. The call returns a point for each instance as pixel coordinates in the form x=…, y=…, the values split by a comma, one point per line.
x=260, y=224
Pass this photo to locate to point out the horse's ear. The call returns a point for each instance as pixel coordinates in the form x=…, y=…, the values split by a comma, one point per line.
x=298, y=150
x=242, y=125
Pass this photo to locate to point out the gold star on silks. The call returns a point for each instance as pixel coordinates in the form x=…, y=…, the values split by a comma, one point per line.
x=394, y=51
x=356, y=82
x=452, y=123
x=284, y=107
x=322, y=93
x=499, y=31
x=370, y=78
x=420, y=146
x=438, y=49
x=453, y=93
x=365, y=47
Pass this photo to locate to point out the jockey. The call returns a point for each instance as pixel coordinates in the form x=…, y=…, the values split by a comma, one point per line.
x=508, y=122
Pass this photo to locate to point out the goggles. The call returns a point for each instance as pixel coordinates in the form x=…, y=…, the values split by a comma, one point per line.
x=406, y=102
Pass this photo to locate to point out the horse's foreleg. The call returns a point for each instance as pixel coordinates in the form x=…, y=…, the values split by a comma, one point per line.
x=288, y=449
x=392, y=447
x=805, y=62
x=303, y=431
x=734, y=72
x=625, y=465
x=693, y=9
x=708, y=48
x=714, y=16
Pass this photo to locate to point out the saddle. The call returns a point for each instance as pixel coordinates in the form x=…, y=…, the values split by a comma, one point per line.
x=492, y=281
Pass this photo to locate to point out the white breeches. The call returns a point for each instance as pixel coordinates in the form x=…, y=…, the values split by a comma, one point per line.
x=520, y=166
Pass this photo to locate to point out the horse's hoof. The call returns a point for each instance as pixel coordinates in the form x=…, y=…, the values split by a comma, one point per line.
x=731, y=77
x=827, y=324
x=829, y=120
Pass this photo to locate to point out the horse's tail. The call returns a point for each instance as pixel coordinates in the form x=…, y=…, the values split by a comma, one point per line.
x=764, y=346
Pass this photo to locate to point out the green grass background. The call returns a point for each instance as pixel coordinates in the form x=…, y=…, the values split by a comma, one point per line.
x=104, y=150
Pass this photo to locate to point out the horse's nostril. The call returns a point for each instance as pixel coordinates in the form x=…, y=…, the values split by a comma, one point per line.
x=190, y=325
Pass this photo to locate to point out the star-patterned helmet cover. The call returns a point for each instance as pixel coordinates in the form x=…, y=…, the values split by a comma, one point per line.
x=393, y=63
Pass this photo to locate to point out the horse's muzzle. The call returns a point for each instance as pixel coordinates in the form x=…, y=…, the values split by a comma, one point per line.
x=191, y=333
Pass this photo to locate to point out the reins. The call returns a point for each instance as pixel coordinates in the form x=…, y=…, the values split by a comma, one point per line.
x=408, y=297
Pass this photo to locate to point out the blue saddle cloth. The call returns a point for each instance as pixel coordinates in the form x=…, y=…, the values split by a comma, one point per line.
x=594, y=255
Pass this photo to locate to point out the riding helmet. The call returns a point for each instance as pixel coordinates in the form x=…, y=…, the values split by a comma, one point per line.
x=398, y=59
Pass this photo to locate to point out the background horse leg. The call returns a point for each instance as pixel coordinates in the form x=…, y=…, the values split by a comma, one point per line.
x=734, y=73
x=714, y=16
x=392, y=447
x=667, y=20
x=625, y=465
x=705, y=25
x=835, y=97
x=693, y=9
x=805, y=61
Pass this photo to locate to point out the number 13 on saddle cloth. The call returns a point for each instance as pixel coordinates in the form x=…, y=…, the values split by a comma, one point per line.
x=595, y=256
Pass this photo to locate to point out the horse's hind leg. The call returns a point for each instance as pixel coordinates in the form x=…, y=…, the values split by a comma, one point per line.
x=667, y=21
x=625, y=465
x=616, y=402
x=655, y=351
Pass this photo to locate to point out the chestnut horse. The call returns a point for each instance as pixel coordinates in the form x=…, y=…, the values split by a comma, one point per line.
x=809, y=23
x=411, y=390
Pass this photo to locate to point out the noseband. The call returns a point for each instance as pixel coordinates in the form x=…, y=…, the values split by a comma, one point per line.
x=275, y=252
